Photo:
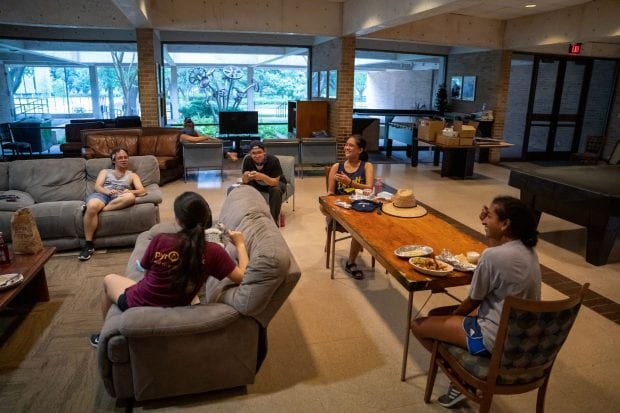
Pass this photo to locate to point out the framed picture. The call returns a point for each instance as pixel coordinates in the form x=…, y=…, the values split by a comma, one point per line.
x=323, y=83
x=333, y=84
x=315, y=84
x=469, y=88
x=456, y=87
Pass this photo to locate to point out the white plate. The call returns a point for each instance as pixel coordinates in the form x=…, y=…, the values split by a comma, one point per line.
x=409, y=251
x=426, y=266
x=10, y=280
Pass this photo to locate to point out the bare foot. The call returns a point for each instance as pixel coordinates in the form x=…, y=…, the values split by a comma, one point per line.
x=232, y=156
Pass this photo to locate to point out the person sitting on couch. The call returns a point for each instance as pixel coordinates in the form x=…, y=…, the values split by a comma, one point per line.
x=176, y=265
x=114, y=189
x=264, y=172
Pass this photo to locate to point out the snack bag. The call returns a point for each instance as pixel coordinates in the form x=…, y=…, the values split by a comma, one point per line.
x=24, y=233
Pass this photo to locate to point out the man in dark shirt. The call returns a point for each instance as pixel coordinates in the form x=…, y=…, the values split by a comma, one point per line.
x=264, y=172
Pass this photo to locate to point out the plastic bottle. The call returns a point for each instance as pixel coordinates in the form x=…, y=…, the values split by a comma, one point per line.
x=5, y=258
x=378, y=187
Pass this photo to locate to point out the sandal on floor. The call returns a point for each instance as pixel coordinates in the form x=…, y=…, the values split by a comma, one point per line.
x=353, y=271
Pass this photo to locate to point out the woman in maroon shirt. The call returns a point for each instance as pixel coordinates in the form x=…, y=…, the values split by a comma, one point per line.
x=176, y=265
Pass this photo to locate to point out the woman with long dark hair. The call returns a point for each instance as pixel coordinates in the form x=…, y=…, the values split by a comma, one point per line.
x=176, y=265
x=355, y=172
x=508, y=267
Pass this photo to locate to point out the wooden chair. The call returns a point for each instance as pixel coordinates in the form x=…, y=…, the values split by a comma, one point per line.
x=330, y=228
x=614, y=157
x=8, y=143
x=530, y=335
x=592, y=151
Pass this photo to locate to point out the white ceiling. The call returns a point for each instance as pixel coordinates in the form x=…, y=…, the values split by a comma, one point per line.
x=212, y=18
x=512, y=9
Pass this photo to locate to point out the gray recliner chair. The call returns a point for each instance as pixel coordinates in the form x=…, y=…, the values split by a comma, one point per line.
x=151, y=352
x=288, y=169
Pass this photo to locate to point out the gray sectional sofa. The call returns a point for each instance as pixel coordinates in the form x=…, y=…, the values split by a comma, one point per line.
x=55, y=189
x=217, y=344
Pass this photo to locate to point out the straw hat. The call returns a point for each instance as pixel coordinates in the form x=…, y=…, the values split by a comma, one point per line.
x=404, y=205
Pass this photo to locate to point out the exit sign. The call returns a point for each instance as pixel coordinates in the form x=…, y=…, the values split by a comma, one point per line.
x=574, y=48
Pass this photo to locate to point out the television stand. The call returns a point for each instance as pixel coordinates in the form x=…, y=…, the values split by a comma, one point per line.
x=237, y=138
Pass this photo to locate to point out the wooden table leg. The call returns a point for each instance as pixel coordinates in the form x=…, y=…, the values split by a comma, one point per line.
x=333, y=248
x=39, y=287
x=403, y=370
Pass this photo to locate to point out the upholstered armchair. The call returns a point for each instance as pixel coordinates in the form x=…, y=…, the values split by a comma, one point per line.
x=530, y=336
x=150, y=352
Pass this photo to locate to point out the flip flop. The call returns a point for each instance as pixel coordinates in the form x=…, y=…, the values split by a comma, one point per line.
x=352, y=270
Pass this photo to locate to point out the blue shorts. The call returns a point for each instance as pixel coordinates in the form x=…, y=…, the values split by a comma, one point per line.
x=106, y=199
x=122, y=302
x=475, y=344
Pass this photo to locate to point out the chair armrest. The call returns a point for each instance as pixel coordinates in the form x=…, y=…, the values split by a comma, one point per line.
x=158, y=321
x=153, y=195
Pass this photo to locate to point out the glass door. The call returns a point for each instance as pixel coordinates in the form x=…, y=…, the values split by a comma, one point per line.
x=556, y=106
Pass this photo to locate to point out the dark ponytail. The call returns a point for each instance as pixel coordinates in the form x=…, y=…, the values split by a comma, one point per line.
x=361, y=143
x=522, y=221
x=194, y=216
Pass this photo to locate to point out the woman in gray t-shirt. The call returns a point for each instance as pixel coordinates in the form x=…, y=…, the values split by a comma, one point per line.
x=508, y=267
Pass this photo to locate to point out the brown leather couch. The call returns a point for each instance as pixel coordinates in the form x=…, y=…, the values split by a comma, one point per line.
x=162, y=143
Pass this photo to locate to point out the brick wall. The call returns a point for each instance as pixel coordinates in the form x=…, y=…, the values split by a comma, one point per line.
x=338, y=54
x=487, y=67
x=400, y=90
x=147, y=45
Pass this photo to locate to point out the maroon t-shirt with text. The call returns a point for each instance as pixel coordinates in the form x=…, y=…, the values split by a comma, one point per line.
x=162, y=254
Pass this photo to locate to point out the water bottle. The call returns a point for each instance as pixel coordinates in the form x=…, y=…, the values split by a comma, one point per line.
x=5, y=258
x=378, y=187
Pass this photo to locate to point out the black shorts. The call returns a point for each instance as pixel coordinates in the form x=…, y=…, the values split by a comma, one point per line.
x=122, y=302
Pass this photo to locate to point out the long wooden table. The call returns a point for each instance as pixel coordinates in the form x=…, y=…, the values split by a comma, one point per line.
x=381, y=234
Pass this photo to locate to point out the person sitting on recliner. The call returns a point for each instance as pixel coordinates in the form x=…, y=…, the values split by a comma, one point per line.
x=190, y=134
x=264, y=172
x=176, y=265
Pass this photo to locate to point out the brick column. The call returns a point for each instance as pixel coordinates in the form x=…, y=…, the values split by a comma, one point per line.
x=501, y=106
x=148, y=45
x=341, y=109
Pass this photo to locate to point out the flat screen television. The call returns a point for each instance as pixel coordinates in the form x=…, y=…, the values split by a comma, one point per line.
x=239, y=123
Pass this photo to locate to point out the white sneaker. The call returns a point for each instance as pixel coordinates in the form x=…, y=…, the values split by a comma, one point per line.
x=452, y=397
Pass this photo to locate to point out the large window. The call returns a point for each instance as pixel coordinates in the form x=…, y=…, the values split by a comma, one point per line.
x=200, y=81
x=72, y=79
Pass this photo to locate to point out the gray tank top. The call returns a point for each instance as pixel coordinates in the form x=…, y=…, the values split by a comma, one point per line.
x=112, y=182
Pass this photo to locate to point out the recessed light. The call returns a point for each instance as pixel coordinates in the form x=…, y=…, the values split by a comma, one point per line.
x=529, y=6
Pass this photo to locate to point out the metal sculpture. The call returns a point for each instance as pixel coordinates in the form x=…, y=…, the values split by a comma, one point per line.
x=218, y=84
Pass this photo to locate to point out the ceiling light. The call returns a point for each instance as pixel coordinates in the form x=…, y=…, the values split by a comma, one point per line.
x=529, y=6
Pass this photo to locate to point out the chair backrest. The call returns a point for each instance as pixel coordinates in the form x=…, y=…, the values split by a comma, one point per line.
x=614, y=158
x=594, y=145
x=530, y=335
x=327, y=169
x=5, y=133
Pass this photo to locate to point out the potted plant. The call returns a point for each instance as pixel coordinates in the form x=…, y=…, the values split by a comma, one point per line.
x=441, y=99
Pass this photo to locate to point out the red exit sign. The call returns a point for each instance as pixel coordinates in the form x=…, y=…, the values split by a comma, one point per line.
x=574, y=48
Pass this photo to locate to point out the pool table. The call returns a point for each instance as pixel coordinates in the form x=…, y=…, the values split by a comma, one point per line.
x=587, y=195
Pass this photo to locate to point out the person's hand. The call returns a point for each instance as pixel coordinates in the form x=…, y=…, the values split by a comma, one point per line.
x=236, y=237
x=342, y=178
x=484, y=213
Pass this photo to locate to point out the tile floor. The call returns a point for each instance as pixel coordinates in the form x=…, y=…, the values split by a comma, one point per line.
x=336, y=345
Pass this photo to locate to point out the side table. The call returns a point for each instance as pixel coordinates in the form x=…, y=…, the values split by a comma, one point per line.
x=32, y=267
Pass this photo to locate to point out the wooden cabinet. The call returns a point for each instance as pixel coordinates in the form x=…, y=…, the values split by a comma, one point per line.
x=307, y=116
